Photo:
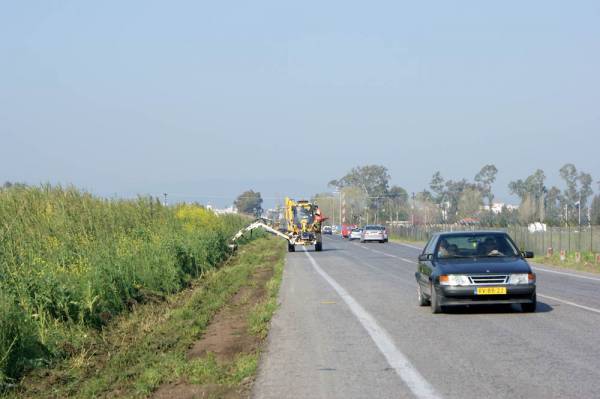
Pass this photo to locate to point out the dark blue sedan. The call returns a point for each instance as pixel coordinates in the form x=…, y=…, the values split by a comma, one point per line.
x=482, y=267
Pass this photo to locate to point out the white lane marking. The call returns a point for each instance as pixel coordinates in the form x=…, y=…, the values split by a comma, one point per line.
x=565, y=273
x=419, y=386
x=394, y=256
x=389, y=255
x=570, y=303
x=384, y=253
x=410, y=246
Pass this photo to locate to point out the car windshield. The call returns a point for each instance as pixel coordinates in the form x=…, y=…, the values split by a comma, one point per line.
x=378, y=228
x=356, y=230
x=475, y=245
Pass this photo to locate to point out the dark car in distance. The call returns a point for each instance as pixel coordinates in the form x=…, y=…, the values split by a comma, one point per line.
x=480, y=267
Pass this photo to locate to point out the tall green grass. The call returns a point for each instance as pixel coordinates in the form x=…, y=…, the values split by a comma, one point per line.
x=70, y=261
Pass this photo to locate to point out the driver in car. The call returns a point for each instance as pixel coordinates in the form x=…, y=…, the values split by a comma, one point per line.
x=490, y=247
x=443, y=249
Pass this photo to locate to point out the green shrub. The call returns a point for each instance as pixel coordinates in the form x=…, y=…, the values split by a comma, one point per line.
x=69, y=259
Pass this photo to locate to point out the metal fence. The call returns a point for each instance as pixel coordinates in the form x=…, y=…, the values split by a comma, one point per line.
x=570, y=239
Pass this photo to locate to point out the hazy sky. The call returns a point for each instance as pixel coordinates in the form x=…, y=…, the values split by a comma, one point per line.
x=209, y=98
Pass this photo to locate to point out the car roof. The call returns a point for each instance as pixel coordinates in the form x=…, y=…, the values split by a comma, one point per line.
x=476, y=232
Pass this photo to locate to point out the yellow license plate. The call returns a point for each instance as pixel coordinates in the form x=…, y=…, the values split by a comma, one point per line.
x=491, y=290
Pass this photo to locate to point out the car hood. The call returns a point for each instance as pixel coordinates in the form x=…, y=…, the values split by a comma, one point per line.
x=483, y=265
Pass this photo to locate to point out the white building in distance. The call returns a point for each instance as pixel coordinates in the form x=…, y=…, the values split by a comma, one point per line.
x=225, y=211
x=497, y=207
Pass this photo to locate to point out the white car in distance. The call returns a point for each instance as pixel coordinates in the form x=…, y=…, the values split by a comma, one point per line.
x=355, y=234
x=374, y=232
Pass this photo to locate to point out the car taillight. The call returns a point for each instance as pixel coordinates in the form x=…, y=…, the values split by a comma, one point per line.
x=531, y=277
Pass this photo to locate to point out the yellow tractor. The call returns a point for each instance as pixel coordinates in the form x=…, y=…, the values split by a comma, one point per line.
x=303, y=224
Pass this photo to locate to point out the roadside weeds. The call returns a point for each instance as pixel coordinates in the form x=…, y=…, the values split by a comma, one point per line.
x=587, y=263
x=158, y=348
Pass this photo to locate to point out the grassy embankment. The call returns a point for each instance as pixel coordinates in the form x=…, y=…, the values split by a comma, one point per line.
x=587, y=262
x=406, y=240
x=70, y=263
x=149, y=348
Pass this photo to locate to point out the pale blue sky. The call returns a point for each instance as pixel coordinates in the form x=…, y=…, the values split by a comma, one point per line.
x=211, y=98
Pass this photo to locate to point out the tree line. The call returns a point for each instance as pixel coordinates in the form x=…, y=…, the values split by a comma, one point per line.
x=368, y=196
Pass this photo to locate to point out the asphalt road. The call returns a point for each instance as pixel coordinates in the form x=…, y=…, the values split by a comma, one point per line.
x=349, y=327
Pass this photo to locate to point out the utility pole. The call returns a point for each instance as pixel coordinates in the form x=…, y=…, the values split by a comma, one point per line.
x=579, y=208
x=333, y=210
x=366, y=201
x=412, y=213
x=342, y=208
x=165, y=203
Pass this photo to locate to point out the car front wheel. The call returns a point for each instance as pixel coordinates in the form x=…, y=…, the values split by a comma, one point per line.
x=529, y=307
x=436, y=304
x=423, y=301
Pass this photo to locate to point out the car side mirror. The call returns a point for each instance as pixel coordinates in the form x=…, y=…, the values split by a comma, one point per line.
x=527, y=254
x=425, y=257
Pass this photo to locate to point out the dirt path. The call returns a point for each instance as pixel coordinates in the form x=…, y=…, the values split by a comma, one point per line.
x=227, y=337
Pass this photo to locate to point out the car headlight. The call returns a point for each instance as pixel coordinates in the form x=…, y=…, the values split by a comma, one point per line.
x=521, y=278
x=454, y=279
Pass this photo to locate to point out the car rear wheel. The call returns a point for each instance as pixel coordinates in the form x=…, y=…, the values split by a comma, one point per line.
x=423, y=301
x=291, y=248
x=436, y=306
x=529, y=307
x=319, y=247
